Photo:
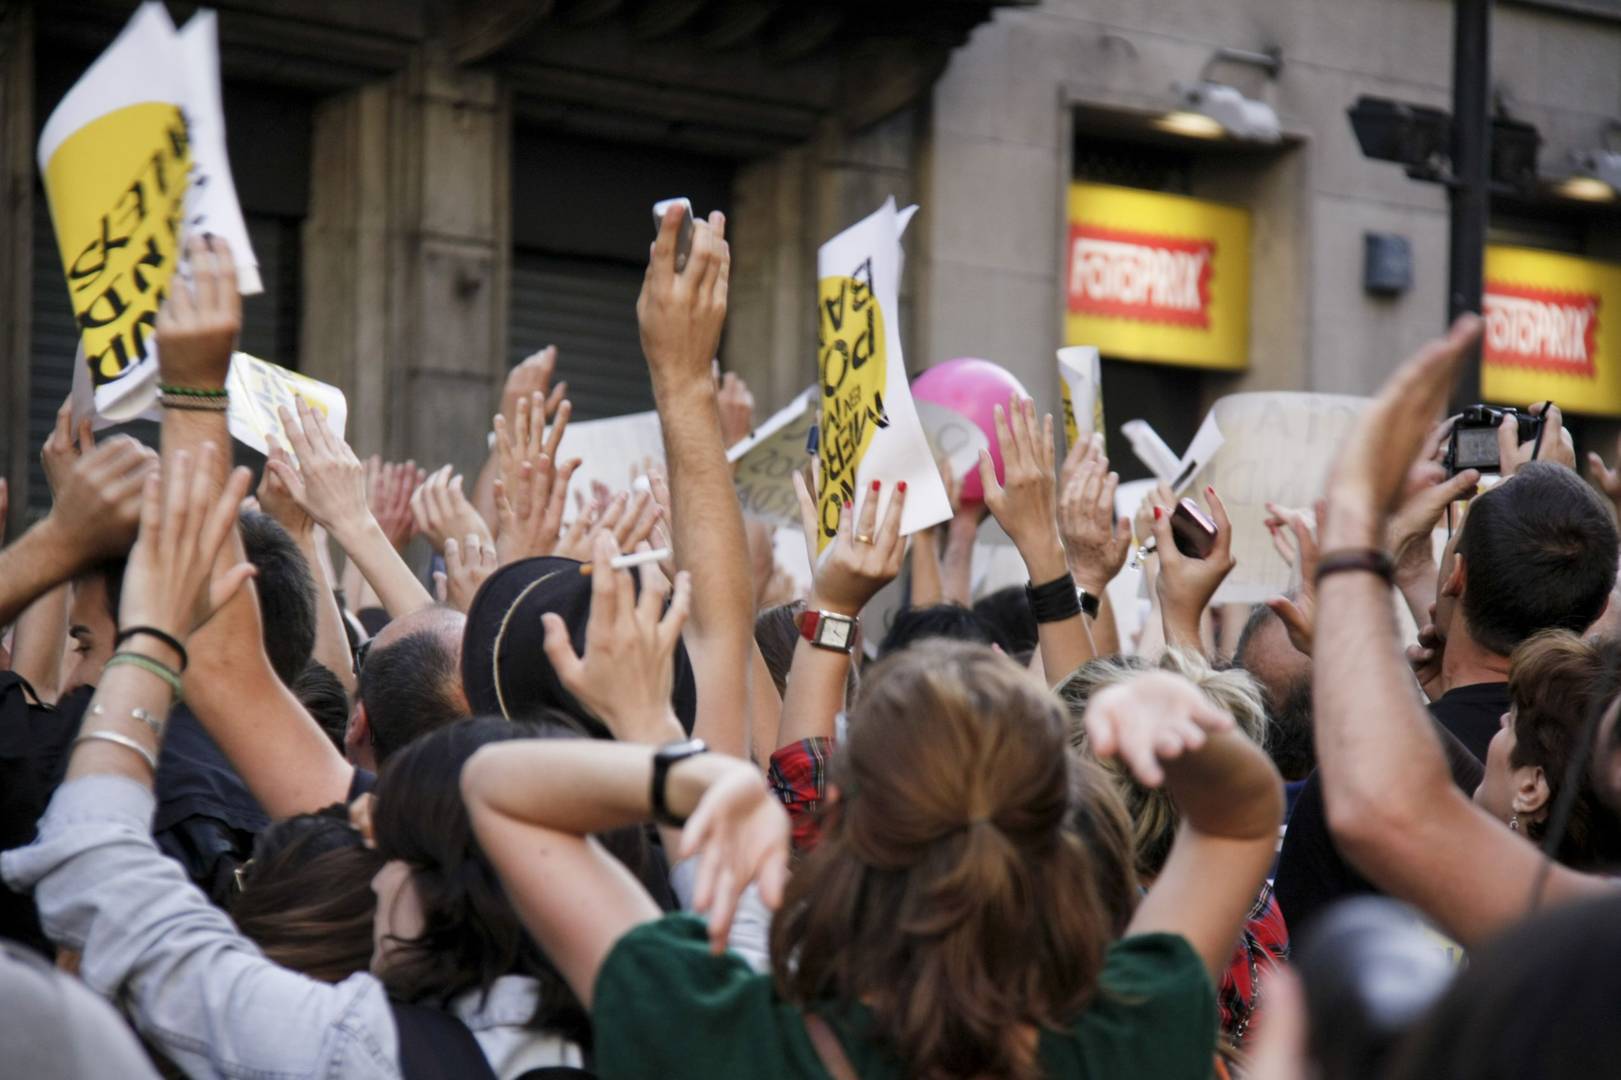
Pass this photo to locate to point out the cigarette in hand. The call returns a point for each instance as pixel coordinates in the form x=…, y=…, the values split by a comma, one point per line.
x=625, y=562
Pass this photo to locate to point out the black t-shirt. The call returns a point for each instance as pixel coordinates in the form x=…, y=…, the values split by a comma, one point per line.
x=1311, y=872
x=1473, y=714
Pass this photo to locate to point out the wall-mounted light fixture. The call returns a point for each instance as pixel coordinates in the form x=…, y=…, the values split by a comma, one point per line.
x=1594, y=176
x=1207, y=109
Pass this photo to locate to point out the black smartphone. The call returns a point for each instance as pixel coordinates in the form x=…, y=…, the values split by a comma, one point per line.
x=683, y=239
x=1194, y=532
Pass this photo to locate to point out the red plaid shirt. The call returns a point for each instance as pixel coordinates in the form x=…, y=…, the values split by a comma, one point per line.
x=798, y=775
x=1263, y=945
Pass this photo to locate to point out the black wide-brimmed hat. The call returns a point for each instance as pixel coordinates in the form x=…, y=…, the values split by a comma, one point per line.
x=505, y=670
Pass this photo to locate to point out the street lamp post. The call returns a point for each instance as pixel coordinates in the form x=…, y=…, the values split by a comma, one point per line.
x=1469, y=191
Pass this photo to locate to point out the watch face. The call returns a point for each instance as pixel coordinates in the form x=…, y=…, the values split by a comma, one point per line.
x=836, y=632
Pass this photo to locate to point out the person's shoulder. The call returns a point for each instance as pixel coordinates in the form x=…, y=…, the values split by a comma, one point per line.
x=1154, y=1013
x=665, y=1004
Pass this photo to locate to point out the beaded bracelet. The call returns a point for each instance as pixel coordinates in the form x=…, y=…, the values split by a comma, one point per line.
x=194, y=391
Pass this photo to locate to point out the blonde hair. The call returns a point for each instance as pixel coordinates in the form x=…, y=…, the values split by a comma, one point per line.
x=1154, y=816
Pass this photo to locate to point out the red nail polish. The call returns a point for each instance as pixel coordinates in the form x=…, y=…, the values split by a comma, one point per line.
x=848, y=504
x=1157, y=512
x=876, y=484
x=1210, y=491
x=901, y=487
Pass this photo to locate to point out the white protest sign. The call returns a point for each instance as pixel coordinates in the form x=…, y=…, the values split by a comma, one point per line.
x=953, y=437
x=1175, y=473
x=1080, y=383
x=133, y=162
x=764, y=464
x=613, y=450
x=259, y=389
x=1279, y=448
x=869, y=424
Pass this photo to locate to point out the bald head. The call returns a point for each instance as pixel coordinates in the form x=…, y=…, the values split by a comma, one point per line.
x=411, y=682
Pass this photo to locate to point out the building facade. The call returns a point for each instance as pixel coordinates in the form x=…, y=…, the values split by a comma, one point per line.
x=436, y=189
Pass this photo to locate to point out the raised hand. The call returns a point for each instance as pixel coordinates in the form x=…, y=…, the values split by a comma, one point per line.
x=1608, y=480
x=628, y=519
x=276, y=498
x=1552, y=444
x=467, y=564
x=1185, y=585
x=1151, y=719
x=1298, y=609
x=626, y=675
x=329, y=482
x=740, y=834
x=862, y=558
x=736, y=403
x=534, y=376
x=98, y=504
x=530, y=509
x=1026, y=504
x=198, y=324
x=1095, y=541
x=170, y=583
x=526, y=437
x=441, y=512
x=390, y=491
x=681, y=313
x=59, y=452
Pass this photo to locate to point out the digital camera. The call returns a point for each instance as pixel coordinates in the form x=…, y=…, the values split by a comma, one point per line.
x=1473, y=444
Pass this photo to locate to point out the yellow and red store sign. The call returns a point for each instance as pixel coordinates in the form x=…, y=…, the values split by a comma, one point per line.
x=1156, y=277
x=1553, y=331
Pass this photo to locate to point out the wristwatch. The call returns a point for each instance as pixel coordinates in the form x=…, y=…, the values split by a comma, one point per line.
x=829, y=630
x=1089, y=603
x=664, y=759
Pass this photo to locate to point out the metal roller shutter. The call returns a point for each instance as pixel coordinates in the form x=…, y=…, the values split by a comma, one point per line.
x=587, y=308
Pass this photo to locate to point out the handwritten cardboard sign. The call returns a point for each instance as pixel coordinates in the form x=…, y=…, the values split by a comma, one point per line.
x=1278, y=447
x=764, y=464
x=869, y=424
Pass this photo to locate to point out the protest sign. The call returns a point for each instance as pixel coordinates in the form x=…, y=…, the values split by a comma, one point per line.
x=1080, y=382
x=1278, y=448
x=612, y=451
x=953, y=437
x=259, y=388
x=764, y=464
x=133, y=161
x=1175, y=473
x=869, y=425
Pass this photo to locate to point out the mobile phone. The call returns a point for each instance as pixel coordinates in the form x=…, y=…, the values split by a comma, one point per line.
x=1192, y=529
x=683, y=239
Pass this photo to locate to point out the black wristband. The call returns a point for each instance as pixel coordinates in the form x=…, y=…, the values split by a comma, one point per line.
x=1357, y=560
x=1054, y=601
x=153, y=632
x=666, y=757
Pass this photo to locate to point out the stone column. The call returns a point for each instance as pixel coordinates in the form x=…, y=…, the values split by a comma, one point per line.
x=407, y=257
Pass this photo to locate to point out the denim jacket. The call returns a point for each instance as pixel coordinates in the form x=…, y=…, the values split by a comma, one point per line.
x=204, y=994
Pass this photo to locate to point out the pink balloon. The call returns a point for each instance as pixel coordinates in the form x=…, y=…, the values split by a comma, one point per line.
x=972, y=388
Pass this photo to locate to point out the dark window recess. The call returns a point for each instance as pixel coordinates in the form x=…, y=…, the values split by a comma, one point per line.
x=587, y=308
x=1167, y=397
x=1132, y=164
x=270, y=320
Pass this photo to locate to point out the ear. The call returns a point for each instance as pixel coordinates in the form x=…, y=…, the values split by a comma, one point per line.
x=358, y=733
x=1530, y=792
x=1452, y=585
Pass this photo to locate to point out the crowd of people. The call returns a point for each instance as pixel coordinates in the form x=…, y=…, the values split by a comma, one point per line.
x=554, y=818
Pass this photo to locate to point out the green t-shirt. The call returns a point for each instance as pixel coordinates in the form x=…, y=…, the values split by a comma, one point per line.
x=666, y=1008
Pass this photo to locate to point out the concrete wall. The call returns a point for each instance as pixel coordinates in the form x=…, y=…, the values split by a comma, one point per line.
x=998, y=155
